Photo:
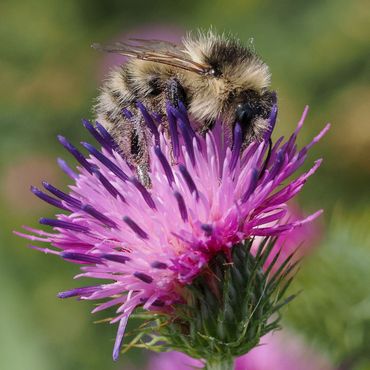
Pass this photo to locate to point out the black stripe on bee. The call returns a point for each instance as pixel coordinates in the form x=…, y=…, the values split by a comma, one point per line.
x=135, y=148
x=230, y=53
x=111, y=117
x=117, y=97
x=155, y=86
x=129, y=81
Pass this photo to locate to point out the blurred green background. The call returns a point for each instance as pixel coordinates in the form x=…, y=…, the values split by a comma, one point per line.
x=319, y=55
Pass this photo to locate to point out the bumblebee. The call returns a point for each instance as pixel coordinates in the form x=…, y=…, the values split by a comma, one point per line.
x=214, y=76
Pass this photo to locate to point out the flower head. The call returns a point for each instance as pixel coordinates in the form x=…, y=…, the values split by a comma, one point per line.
x=206, y=196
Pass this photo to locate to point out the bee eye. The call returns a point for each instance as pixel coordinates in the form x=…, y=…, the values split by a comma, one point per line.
x=244, y=114
x=215, y=72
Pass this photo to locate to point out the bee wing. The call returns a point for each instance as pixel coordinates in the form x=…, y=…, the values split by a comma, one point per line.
x=156, y=51
x=155, y=44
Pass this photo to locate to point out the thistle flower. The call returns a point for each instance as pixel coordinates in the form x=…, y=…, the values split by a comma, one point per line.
x=208, y=200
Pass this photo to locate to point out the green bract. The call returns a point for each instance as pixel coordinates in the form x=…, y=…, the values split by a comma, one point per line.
x=230, y=306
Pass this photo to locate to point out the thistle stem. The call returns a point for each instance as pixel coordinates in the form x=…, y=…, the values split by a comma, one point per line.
x=220, y=364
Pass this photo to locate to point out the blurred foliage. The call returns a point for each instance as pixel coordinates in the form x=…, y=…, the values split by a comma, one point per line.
x=333, y=309
x=319, y=55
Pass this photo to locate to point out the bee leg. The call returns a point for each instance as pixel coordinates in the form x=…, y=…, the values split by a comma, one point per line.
x=175, y=92
x=143, y=175
x=139, y=152
x=207, y=126
x=134, y=144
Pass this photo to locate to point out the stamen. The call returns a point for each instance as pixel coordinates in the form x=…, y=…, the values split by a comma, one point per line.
x=238, y=140
x=166, y=166
x=66, y=169
x=145, y=194
x=120, y=333
x=107, y=162
x=186, y=134
x=143, y=277
x=272, y=122
x=135, y=227
x=107, y=136
x=79, y=291
x=116, y=258
x=252, y=185
x=189, y=180
x=317, y=138
x=278, y=162
x=148, y=120
x=73, y=150
x=181, y=205
x=173, y=131
x=97, y=136
x=184, y=116
x=60, y=194
x=63, y=225
x=127, y=113
x=272, y=118
x=111, y=189
x=159, y=265
x=98, y=215
x=158, y=117
x=207, y=228
x=158, y=303
x=48, y=199
x=81, y=257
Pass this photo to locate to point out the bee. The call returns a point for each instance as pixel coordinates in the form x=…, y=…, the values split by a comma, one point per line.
x=214, y=76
